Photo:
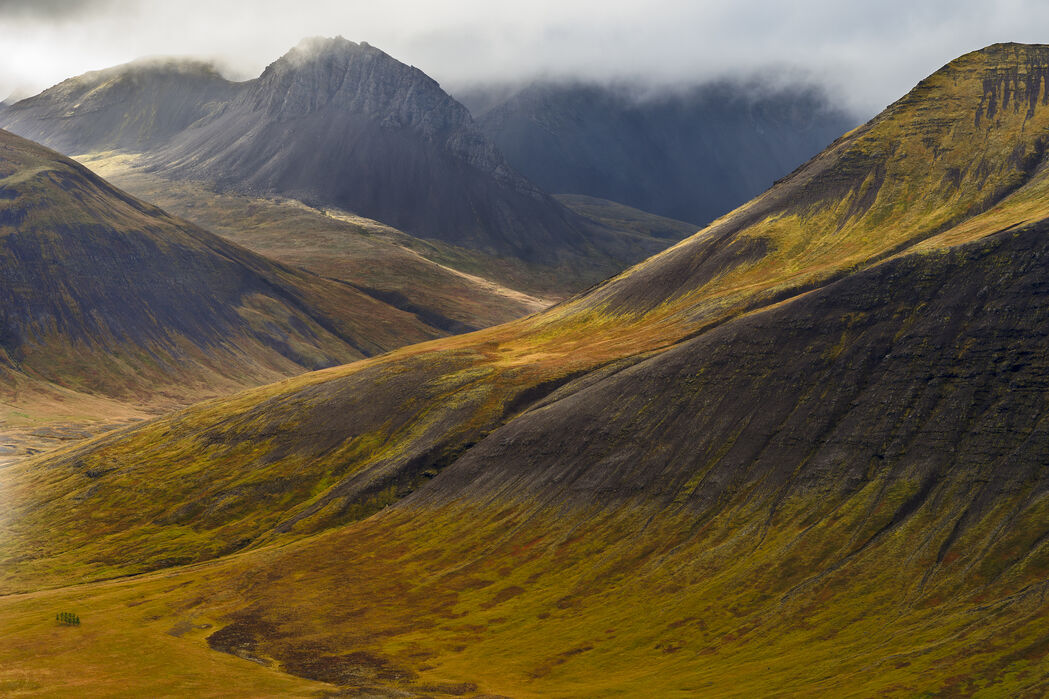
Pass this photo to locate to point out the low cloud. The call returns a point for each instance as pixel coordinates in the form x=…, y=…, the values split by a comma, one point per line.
x=47, y=9
x=866, y=55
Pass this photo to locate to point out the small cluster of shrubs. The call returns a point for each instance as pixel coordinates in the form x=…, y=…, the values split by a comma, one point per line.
x=67, y=618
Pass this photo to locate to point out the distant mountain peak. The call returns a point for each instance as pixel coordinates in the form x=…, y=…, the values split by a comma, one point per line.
x=328, y=54
x=321, y=72
x=321, y=51
x=147, y=68
x=132, y=106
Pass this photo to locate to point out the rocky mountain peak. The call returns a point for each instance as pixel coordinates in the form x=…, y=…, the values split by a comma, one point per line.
x=331, y=121
x=321, y=73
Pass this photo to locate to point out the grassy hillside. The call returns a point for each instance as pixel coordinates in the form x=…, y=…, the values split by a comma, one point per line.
x=800, y=452
x=563, y=556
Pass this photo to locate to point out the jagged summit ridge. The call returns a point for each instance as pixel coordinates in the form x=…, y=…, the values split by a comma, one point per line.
x=332, y=122
x=345, y=124
x=320, y=72
x=337, y=73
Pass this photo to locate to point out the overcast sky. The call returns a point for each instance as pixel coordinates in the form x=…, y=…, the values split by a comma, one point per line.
x=867, y=53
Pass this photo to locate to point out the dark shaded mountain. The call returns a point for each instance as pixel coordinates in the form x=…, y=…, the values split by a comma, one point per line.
x=802, y=451
x=103, y=293
x=133, y=107
x=331, y=123
x=691, y=155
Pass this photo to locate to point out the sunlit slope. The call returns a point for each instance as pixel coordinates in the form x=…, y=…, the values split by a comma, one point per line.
x=329, y=448
x=844, y=494
x=968, y=140
x=105, y=294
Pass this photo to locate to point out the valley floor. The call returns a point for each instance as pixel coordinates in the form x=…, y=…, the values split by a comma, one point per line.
x=577, y=605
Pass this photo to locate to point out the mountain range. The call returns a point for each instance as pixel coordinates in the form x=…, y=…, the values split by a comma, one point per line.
x=332, y=123
x=344, y=126
x=801, y=451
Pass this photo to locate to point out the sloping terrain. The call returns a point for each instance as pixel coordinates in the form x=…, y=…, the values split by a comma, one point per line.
x=377, y=259
x=103, y=294
x=464, y=286
x=690, y=154
x=800, y=452
x=136, y=107
x=337, y=124
x=626, y=218
x=345, y=124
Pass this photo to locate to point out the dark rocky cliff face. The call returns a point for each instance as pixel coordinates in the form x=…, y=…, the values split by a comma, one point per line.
x=690, y=155
x=324, y=74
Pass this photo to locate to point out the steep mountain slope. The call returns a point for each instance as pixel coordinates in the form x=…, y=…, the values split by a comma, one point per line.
x=801, y=451
x=691, y=155
x=627, y=218
x=105, y=294
x=345, y=124
x=854, y=543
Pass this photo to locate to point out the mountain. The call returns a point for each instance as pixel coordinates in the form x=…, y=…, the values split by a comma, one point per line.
x=691, y=154
x=337, y=124
x=136, y=107
x=102, y=293
x=801, y=452
x=143, y=105
x=345, y=124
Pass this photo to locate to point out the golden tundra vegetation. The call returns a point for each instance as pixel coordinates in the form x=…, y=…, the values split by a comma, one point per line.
x=801, y=452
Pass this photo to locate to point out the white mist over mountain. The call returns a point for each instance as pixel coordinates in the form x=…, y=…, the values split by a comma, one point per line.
x=883, y=49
